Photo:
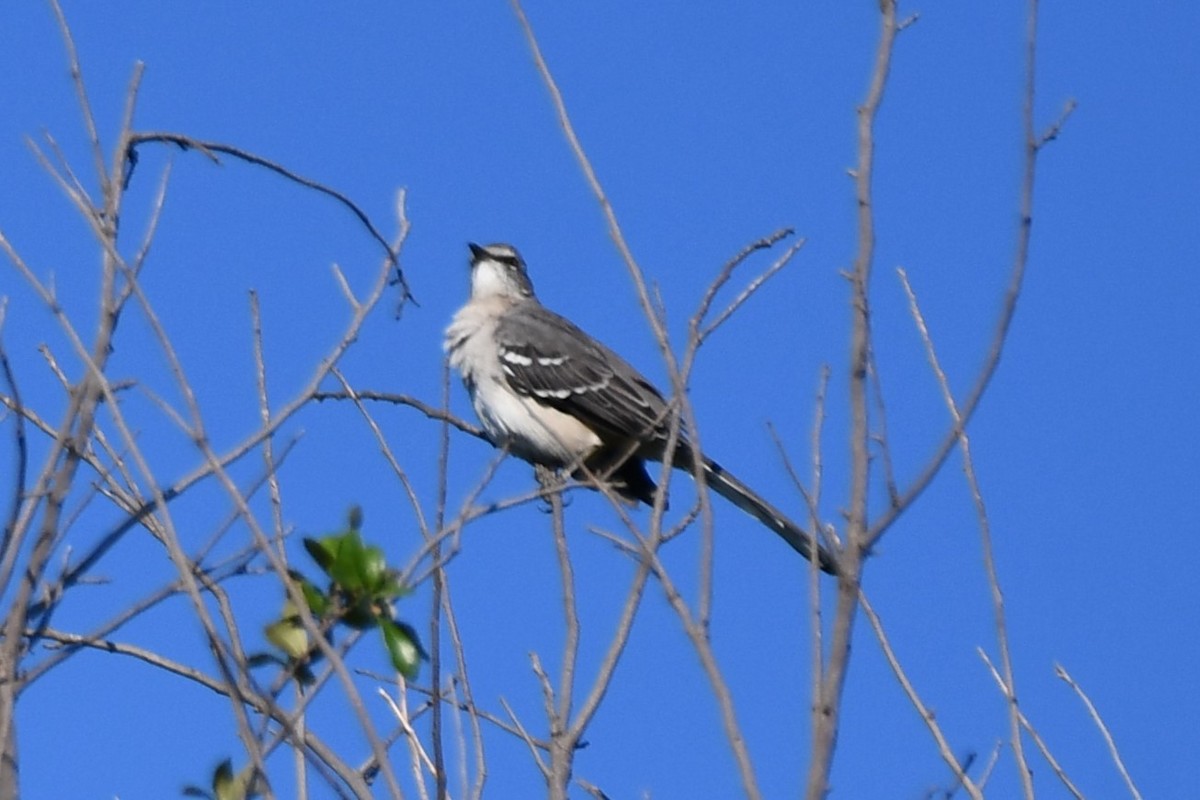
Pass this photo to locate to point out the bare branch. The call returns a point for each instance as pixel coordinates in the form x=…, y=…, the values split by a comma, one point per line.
x=212, y=149
x=1028, y=726
x=747, y=292
x=405, y=400
x=585, y=164
x=21, y=445
x=985, y=535
x=85, y=106
x=393, y=462
x=61, y=172
x=827, y=705
x=562, y=733
x=1032, y=146
x=140, y=653
x=927, y=716
x=881, y=435
x=535, y=748
x=440, y=606
x=732, y=264
x=1108, y=737
x=814, y=515
x=1051, y=133
x=698, y=636
x=420, y=757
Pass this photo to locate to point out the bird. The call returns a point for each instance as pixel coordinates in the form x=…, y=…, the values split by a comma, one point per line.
x=556, y=397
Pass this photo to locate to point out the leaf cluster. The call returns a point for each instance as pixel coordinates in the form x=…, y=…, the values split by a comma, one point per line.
x=361, y=592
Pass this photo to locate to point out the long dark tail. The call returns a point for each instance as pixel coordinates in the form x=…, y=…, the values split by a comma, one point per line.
x=728, y=486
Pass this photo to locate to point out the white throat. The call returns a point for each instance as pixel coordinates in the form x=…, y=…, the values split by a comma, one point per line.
x=490, y=279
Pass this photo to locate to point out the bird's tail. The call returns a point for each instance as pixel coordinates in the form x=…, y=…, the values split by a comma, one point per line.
x=728, y=486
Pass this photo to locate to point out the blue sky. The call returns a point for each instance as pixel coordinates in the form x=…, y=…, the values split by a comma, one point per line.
x=709, y=129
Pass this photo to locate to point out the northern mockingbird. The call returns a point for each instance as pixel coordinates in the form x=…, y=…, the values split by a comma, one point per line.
x=556, y=397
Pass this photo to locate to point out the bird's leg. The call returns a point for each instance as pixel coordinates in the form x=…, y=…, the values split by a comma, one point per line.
x=551, y=480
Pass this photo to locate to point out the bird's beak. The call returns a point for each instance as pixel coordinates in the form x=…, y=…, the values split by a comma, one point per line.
x=477, y=252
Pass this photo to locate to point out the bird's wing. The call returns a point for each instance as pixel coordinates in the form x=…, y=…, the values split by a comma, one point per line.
x=549, y=358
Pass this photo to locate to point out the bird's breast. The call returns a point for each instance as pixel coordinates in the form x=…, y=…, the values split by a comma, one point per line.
x=529, y=428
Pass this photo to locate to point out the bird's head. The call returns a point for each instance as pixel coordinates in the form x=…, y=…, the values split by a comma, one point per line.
x=497, y=270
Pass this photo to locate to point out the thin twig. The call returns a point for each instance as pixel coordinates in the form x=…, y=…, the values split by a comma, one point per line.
x=20, y=442
x=698, y=636
x=436, y=731
x=985, y=536
x=732, y=264
x=445, y=611
x=910, y=691
x=429, y=411
x=535, y=748
x=881, y=434
x=1033, y=144
x=1028, y=726
x=85, y=106
x=585, y=164
x=814, y=591
x=140, y=653
x=62, y=170
x=616, y=647
x=473, y=710
x=211, y=149
x=752, y=287
x=990, y=766
x=562, y=743
x=58, y=476
x=1060, y=672
x=420, y=757
x=386, y=449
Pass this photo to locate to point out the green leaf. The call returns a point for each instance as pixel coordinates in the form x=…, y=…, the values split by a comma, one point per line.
x=288, y=635
x=348, y=566
x=225, y=785
x=222, y=774
x=392, y=587
x=318, y=601
x=323, y=551
x=402, y=647
x=374, y=570
x=411, y=633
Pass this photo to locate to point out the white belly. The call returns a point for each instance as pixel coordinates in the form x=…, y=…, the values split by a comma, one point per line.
x=533, y=431
x=530, y=430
